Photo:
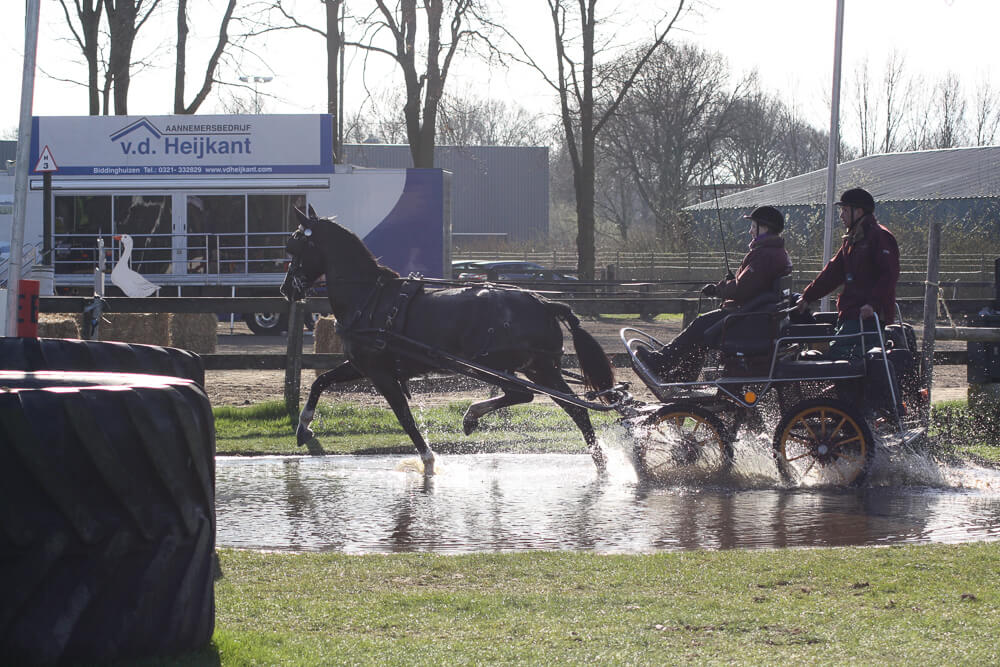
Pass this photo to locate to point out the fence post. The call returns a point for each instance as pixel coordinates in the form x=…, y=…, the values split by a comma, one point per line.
x=293, y=358
x=930, y=311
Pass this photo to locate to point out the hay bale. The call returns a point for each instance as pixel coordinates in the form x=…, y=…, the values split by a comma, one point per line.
x=58, y=325
x=196, y=332
x=146, y=328
x=325, y=338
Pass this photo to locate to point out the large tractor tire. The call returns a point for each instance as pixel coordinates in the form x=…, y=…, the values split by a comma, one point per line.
x=42, y=354
x=107, y=516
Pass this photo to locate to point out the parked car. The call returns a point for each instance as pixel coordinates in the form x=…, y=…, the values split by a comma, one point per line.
x=511, y=271
x=458, y=267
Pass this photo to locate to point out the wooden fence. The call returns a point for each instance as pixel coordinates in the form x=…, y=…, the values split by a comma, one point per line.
x=294, y=360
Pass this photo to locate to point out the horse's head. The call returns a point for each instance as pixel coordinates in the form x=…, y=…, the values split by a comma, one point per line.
x=308, y=261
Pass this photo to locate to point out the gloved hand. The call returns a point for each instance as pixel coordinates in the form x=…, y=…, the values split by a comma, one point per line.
x=710, y=289
x=730, y=275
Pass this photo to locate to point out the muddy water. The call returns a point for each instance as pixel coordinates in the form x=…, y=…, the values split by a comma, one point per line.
x=510, y=502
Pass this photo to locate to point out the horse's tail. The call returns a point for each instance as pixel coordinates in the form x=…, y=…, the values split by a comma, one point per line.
x=597, y=372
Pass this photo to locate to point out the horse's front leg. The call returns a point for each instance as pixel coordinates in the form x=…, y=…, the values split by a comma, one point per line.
x=345, y=372
x=389, y=387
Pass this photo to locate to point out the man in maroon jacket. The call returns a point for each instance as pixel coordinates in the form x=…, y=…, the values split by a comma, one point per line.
x=867, y=265
x=681, y=359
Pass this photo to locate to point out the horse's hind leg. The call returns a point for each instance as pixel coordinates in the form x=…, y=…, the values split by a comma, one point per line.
x=512, y=395
x=391, y=390
x=552, y=378
x=345, y=372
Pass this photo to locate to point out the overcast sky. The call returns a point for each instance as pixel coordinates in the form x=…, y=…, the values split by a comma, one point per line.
x=789, y=42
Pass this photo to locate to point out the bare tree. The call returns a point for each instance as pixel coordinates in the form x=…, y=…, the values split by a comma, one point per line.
x=378, y=121
x=865, y=109
x=680, y=108
x=467, y=121
x=88, y=13
x=754, y=151
x=898, y=95
x=987, y=114
x=125, y=19
x=398, y=24
x=333, y=35
x=949, y=107
x=213, y=62
x=582, y=37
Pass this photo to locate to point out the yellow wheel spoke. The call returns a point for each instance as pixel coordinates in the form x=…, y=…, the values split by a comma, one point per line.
x=842, y=422
x=844, y=442
x=805, y=424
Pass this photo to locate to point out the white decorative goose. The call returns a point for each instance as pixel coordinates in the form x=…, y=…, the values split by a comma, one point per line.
x=129, y=281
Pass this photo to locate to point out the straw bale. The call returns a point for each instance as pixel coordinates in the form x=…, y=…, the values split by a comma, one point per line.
x=197, y=332
x=325, y=338
x=58, y=325
x=145, y=328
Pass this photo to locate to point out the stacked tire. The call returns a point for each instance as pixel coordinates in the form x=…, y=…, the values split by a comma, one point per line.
x=43, y=354
x=107, y=503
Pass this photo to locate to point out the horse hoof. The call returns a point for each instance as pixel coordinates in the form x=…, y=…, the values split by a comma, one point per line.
x=303, y=434
x=469, y=424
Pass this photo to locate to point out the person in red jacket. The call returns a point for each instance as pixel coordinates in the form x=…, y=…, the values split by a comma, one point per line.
x=867, y=265
x=681, y=359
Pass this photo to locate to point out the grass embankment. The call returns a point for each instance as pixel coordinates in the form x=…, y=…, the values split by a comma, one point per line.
x=342, y=428
x=912, y=604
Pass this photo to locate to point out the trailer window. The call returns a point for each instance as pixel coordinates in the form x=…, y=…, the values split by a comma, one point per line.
x=269, y=222
x=216, y=226
x=78, y=221
x=148, y=220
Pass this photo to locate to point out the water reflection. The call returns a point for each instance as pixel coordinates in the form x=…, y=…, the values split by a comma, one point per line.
x=502, y=502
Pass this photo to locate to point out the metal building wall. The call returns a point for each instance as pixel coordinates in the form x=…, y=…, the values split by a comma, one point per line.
x=495, y=189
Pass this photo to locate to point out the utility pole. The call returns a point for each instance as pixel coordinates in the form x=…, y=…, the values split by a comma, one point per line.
x=831, y=158
x=14, y=263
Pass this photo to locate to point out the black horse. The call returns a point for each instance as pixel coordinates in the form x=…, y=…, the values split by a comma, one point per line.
x=393, y=329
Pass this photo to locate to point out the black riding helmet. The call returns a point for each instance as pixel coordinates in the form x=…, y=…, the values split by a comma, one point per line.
x=769, y=217
x=857, y=198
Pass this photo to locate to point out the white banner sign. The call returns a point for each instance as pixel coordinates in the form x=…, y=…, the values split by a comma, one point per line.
x=185, y=145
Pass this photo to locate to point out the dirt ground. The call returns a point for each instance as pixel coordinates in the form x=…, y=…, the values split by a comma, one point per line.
x=249, y=387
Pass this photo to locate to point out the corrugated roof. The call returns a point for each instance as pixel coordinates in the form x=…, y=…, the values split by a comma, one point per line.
x=953, y=173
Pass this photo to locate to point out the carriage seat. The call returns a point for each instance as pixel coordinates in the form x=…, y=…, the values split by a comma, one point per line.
x=751, y=330
x=819, y=368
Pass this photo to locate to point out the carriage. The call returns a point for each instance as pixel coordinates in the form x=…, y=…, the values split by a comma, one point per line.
x=770, y=376
x=830, y=413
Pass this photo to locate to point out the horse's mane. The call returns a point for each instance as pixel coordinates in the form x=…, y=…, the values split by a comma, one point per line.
x=358, y=247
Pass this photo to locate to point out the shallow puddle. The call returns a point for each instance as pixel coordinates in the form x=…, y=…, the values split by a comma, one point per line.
x=520, y=502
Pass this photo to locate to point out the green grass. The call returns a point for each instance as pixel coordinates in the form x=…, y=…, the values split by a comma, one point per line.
x=959, y=433
x=343, y=428
x=897, y=605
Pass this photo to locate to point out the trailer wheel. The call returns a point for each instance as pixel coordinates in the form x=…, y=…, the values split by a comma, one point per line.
x=267, y=324
x=42, y=354
x=107, y=516
x=823, y=441
x=685, y=438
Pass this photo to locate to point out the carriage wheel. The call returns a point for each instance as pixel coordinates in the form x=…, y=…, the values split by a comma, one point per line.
x=683, y=437
x=823, y=441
